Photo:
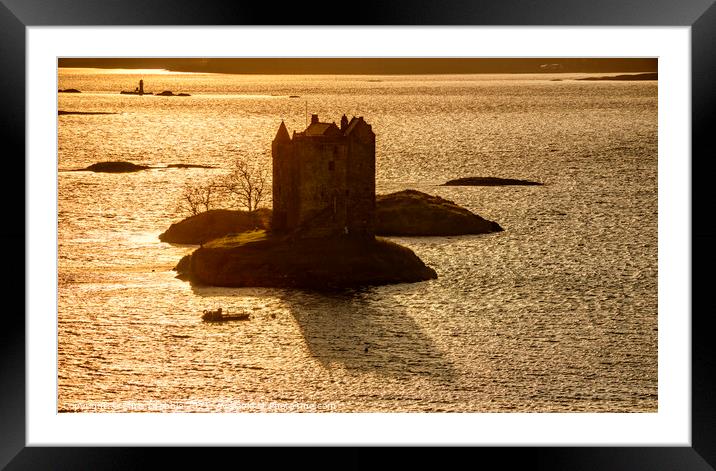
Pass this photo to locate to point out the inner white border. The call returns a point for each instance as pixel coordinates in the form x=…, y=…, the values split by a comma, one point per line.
x=670, y=426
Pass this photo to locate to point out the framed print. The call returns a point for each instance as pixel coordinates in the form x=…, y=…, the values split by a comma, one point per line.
x=558, y=313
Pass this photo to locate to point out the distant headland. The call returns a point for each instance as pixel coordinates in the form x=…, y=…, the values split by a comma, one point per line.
x=372, y=65
x=63, y=112
x=626, y=77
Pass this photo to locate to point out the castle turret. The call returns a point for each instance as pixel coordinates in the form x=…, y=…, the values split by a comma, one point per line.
x=283, y=174
x=282, y=134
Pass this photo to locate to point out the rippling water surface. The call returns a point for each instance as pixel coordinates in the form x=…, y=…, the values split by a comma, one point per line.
x=556, y=313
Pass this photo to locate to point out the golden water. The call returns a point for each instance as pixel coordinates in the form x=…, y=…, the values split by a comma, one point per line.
x=556, y=313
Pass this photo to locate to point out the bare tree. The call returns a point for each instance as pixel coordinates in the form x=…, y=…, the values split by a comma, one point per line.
x=246, y=185
x=196, y=198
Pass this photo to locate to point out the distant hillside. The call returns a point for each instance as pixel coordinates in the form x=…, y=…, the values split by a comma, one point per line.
x=384, y=66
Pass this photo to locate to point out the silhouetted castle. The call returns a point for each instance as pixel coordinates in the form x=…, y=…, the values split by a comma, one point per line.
x=324, y=179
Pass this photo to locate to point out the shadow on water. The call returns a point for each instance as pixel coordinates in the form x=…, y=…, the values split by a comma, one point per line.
x=351, y=330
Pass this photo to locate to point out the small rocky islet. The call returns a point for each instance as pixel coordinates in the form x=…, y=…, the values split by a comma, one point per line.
x=129, y=167
x=115, y=167
x=490, y=181
x=414, y=213
x=214, y=224
x=141, y=92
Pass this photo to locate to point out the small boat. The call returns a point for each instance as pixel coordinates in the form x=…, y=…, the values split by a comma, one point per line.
x=219, y=316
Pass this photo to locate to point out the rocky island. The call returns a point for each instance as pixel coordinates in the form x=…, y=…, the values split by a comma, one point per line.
x=128, y=167
x=170, y=93
x=413, y=213
x=260, y=259
x=489, y=181
x=115, y=167
x=214, y=224
x=322, y=226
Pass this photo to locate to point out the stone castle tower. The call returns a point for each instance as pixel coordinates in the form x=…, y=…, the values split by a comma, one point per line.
x=324, y=179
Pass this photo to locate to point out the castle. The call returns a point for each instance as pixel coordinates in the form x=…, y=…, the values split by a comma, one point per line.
x=324, y=179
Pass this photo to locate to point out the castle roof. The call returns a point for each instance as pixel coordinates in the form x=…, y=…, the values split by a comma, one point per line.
x=318, y=129
x=352, y=125
x=321, y=129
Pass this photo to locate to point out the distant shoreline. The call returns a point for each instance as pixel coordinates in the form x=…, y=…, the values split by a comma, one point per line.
x=372, y=65
x=377, y=73
x=626, y=77
x=63, y=112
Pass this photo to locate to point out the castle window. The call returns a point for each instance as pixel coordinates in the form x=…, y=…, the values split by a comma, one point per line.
x=331, y=165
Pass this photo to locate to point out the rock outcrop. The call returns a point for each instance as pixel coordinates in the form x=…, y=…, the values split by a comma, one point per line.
x=489, y=181
x=189, y=166
x=115, y=167
x=413, y=213
x=213, y=224
x=170, y=93
x=127, y=167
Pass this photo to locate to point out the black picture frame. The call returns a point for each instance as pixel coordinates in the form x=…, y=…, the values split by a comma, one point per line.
x=699, y=15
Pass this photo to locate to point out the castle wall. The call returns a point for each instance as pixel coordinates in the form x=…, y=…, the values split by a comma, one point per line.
x=321, y=195
x=361, y=175
x=285, y=183
x=325, y=184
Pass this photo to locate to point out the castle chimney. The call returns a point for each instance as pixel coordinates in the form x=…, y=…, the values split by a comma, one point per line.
x=314, y=118
x=344, y=123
